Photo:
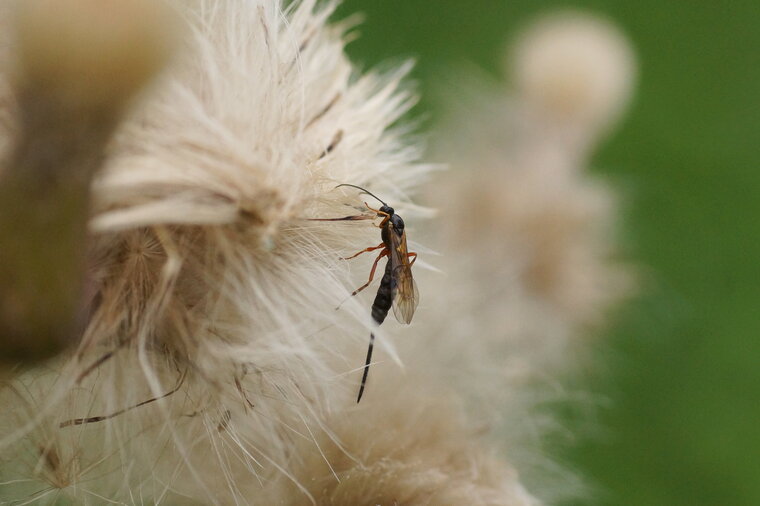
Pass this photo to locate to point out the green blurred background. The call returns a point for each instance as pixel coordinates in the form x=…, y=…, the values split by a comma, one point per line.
x=679, y=375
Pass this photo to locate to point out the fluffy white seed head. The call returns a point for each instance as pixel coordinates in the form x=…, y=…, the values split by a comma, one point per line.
x=214, y=368
x=213, y=343
x=409, y=445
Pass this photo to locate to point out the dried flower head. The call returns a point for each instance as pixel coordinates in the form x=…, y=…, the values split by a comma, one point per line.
x=212, y=343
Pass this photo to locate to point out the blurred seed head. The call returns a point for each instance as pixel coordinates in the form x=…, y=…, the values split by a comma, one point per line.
x=577, y=68
x=77, y=64
x=94, y=52
x=528, y=234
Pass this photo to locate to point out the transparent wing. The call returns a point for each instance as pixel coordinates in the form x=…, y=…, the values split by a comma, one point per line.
x=405, y=294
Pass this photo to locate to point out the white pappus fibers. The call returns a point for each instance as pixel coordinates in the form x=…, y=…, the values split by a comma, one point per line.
x=214, y=368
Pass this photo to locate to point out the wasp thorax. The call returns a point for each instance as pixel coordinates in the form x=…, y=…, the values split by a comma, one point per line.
x=397, y=222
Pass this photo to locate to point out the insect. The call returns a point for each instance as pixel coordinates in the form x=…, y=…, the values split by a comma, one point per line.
x=397, y=288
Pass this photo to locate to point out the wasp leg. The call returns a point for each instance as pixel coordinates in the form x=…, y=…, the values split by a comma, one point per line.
x=380, y=213
x=413, y=259
x=372, y=272
x=364, y=251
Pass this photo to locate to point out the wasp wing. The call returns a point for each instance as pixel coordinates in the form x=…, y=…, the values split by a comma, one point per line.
x=406, y=299
x=405, y=295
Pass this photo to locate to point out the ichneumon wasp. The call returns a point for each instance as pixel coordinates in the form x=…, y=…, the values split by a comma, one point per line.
x=397, y=288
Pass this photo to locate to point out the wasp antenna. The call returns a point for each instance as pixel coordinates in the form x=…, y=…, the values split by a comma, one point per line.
x=362, y=189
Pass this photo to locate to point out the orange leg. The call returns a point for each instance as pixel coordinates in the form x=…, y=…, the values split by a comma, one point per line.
x=413, y=259
x=380, y=213
x=364, y=251
x=372, y=272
